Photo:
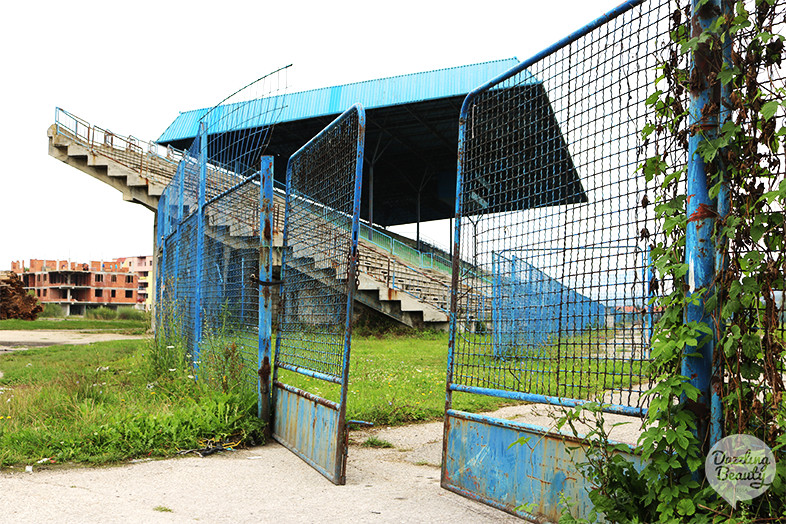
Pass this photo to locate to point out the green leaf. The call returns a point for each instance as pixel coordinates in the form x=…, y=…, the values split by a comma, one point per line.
x=769, y=109
x=686, y=507
x=519, y=442
x=726, y=76
x=682, y=441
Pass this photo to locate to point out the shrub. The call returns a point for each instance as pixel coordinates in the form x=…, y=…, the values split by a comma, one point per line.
x=52, y=311
x=101, y=313
x=129, y=313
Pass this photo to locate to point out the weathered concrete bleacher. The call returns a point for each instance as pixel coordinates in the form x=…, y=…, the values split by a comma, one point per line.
x=414, y=296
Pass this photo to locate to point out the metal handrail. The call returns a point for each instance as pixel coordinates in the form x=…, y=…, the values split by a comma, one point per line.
x=129, y=151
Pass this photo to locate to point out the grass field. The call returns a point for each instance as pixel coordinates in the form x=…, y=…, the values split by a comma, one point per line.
x=127, y=327
x=101, y=403
x=112, y=401
x=396, y=380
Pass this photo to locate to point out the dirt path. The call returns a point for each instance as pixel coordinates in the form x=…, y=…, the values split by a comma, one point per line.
x=265, y=484
x=11, y=340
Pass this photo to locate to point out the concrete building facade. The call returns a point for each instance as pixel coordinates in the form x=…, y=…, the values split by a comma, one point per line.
x=142, y=266
x=78, y=286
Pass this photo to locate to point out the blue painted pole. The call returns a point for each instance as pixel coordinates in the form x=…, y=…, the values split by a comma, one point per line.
x=721, y=254
x=175, y=295
x=649, y=305
x=351, y=276
x=496, y=289
x=162, y=218
x=700, y=249
x=265, y=292
x=200, y=240
x=242, y=291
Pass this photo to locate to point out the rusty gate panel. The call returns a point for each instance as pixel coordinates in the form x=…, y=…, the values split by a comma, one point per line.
x=297, y=409
x=528, y=480
x=318, y=273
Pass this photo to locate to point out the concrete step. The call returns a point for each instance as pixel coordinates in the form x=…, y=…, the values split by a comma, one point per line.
x=142, y=179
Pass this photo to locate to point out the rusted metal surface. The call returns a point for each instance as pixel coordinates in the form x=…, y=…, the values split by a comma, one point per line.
x=527, y=480
x=264, y=395
x=265, y=298
x=310, y=427
x=319, y=267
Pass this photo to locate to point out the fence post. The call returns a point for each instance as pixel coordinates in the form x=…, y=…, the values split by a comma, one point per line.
x=721, y=254
x=160, y=219
x=700, y=248
x=265, y=292
x=200, y=240
x=175, y=295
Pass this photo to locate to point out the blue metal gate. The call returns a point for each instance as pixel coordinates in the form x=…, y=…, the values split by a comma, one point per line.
x=551, y=290
x=318, y=270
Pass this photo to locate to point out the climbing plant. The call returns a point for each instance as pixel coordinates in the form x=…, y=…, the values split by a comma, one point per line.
x=741, y=135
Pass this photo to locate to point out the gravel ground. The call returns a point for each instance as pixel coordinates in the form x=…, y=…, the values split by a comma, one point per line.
x=265, y=484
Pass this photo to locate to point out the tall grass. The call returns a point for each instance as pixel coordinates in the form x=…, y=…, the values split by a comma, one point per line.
x=129, y=313
x=107, y=402
x=52, y=311
x=121, y=313
x=101, y=313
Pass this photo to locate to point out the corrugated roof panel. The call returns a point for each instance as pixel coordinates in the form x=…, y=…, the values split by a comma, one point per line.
x=391, y=91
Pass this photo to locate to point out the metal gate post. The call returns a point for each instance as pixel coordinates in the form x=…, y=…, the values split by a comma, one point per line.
x=700, y=248
x=721, y=254
x=265, y=292
x=200, y=240
x=174, y=294
x=161, y=219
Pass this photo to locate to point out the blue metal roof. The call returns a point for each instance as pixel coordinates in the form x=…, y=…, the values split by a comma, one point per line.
x=391, y=91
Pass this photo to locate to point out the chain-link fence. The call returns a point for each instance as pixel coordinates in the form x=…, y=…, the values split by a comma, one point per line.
x=209, y=236
x=555, y=221
x=319, y=261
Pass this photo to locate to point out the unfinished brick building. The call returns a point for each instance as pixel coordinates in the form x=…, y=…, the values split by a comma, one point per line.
x=77, y=286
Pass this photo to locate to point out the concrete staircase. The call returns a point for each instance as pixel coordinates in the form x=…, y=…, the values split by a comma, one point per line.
x=414, y=296
x=140, y=176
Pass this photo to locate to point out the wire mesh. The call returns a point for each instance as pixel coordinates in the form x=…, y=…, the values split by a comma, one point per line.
x=320, y=239
x=209, y=226
x=230, y=298
x=554, y=220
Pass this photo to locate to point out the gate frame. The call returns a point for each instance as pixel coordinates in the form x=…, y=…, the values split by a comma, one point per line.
x=544, y=443
x=307, y=403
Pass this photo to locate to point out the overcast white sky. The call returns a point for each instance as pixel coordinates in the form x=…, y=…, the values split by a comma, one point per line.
x=132, y=66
